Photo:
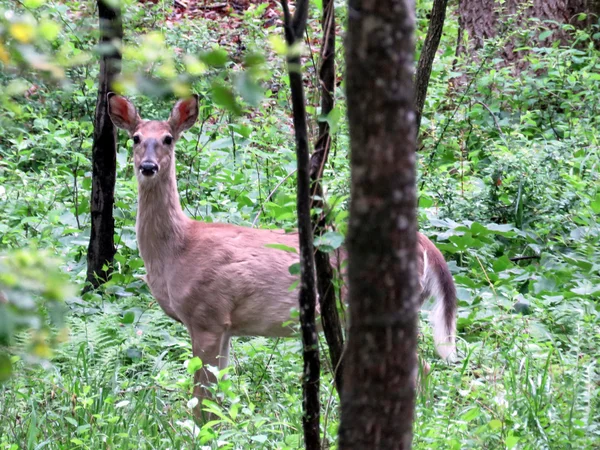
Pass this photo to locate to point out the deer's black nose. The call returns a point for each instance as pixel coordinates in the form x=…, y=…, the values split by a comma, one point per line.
x=148, y=168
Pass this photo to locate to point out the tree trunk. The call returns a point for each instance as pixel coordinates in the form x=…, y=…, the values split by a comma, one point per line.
x=479, y=20
x=327, y=299
x=483, y=19
x=101, y=249
x=430, y=47
x=294, y=30
x=380, y=362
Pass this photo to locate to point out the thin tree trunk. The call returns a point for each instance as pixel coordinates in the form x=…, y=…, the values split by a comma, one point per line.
x=380, y=360
x=430, y=47
x=101, y=249
x=327, y=299
x=294, y=30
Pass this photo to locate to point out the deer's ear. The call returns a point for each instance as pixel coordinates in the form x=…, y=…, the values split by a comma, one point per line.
x=122, y=113
x=184, y=115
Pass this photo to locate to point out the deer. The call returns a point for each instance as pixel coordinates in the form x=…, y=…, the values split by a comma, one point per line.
x=222, y=280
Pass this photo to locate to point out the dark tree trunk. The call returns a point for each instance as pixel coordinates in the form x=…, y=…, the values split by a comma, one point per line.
x=327, y=299
x=430, y=47
x=380, y=361
x=294, y=30
x=101, y=249
x=483, y=19
x=478, y=18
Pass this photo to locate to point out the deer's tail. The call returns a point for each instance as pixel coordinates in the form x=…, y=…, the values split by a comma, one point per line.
x=437, y=282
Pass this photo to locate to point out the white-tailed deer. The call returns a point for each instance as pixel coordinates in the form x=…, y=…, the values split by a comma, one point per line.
x=224, y=280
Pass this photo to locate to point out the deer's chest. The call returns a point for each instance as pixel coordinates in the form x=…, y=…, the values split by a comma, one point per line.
x=157, y=281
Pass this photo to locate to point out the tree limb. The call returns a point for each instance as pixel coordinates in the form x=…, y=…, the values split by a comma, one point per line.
x=294, y=30
x=430, y=46
x=327, y=299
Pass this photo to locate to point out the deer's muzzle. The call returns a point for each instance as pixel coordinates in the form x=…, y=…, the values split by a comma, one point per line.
x=148, y=168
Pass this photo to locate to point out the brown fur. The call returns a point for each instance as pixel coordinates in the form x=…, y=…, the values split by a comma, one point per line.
x=220, y=280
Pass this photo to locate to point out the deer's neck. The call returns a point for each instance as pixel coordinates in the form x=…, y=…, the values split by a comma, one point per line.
x=161, y=223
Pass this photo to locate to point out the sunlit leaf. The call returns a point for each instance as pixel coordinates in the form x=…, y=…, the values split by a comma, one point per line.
x=193, y=65
x=193, y=365
x=22, y=32
x=33, y=3
x=278, y=44
x=49, y=29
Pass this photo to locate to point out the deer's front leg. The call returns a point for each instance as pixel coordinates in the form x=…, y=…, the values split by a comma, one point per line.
x=206, y=346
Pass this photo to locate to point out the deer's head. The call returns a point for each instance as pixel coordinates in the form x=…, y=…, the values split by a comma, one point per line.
x=153, y=140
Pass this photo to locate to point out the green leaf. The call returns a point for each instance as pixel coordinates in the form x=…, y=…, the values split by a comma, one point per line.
x=294, y=269
x=501, y=263
x=329, y=241
x=249, y=89
x=471, y=414
x=194, y=364
x=33, y=3
x=5, y=367
x=215, y=58
x=128, y=317
x=511, y=441
x=223, y=96
x=333, y=119
x=282, y=247
x=495, y=424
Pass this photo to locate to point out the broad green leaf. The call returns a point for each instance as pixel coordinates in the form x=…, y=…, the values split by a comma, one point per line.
x=224, y=96
x=193, y=365
x=294, y=269
x=215, y=58
x=329, y=241
x=128, y=317
x=495, y=424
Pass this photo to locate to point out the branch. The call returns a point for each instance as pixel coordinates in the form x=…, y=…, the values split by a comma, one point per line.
x=430, y=46
x=294, y=29
x=524, y=258
x=329, y=314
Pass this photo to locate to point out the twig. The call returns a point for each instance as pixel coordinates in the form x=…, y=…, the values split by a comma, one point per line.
x=294, y=30
x=271, y=194
x=524, y=258
x=486, y=276
x=493, y=116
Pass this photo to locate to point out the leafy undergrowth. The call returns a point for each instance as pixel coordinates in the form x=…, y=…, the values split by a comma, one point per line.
x=508, y=169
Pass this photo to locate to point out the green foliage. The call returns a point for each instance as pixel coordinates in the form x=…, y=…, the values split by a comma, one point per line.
x=33, y=290
x=508, y=168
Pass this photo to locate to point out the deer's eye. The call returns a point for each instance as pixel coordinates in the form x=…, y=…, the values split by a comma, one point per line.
x=136, y=139
x=168, y=140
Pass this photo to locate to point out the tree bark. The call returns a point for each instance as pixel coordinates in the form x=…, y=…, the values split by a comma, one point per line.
x=294, y=30
x=430, y=47
x=380, y=361
x=483, y=19
x=329, y=313
x=101, y=249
